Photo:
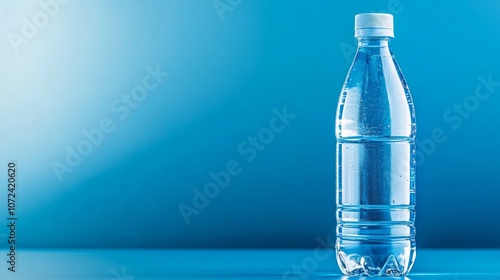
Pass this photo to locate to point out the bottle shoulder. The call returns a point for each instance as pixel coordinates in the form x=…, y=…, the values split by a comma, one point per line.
x=375, y=99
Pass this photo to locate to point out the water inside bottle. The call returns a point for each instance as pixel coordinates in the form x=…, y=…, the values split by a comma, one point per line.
x=375, y=217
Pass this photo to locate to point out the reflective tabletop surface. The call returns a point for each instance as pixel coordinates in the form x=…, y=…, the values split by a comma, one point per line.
x=232, y=264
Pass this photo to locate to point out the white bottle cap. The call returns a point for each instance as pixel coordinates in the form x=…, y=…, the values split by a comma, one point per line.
x=373, y=25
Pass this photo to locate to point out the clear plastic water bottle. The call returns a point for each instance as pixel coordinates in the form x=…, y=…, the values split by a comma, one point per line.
x=375, y=130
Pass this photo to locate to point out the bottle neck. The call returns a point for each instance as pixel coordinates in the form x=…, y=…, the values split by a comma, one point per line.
x=373, y=42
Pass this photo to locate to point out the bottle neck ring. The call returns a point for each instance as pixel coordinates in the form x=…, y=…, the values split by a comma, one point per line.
x=373, y=41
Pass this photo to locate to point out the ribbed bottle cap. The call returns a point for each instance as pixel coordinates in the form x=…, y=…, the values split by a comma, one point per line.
x=373, y=25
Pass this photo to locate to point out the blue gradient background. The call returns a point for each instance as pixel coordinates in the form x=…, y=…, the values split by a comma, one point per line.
x=226, y=76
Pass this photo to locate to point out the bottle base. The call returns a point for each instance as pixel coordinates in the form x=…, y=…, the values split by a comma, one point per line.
x=360, y=259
